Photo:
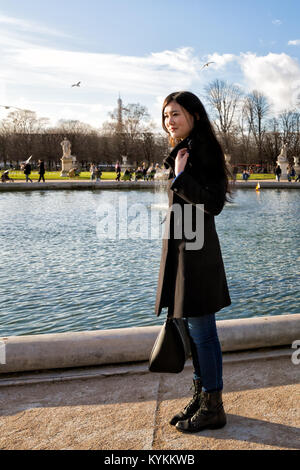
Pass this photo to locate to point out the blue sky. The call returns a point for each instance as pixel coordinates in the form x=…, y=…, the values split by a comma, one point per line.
x=144, y=50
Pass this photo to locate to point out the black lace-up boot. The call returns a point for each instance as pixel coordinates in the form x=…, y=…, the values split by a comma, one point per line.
x=192, y=406
x=210, y=415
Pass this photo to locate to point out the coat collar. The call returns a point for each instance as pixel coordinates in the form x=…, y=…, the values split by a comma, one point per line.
x=169, y=161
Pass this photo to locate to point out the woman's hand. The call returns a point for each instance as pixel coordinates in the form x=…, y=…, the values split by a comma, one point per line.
x=181, y=160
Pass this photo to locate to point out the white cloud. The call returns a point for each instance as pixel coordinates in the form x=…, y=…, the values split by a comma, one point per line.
x=39, y=77
x=181, y=60
x=277, y=22
x=275, y=75
x=149, y=75
x=295, y=42
x=221, y=60
x=28, y=26
x=43, y=72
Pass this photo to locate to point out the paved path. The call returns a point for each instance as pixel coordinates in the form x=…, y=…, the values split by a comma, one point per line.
x=127, y=408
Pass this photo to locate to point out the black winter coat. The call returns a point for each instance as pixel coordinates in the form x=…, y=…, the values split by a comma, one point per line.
x=192, y=282
x=42, y=168
x=27, y=169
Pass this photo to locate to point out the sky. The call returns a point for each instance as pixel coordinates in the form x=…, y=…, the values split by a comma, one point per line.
x=143, y=50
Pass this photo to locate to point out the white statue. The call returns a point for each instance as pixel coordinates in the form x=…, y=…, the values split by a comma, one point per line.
x=297, y=165
x=282, y=161
x=282, y=157
x=68, y=161
x=296, y=161
x=66, y=147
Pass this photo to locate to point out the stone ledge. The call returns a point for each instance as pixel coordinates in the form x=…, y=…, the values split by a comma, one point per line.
x=91, y=348
x=108, y=184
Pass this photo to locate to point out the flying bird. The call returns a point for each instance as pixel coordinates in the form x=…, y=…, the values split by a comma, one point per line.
x=207, y=64
x=76, y=84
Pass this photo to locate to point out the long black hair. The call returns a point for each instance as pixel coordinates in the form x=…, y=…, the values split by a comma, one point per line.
x=210, y=150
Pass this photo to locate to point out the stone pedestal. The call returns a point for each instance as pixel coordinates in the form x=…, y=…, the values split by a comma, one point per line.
x=67, y=165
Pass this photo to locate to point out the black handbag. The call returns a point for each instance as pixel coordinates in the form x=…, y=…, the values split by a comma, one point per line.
x=171, y=348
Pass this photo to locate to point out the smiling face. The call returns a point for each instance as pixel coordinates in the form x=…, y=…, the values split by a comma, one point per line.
x=178, y=121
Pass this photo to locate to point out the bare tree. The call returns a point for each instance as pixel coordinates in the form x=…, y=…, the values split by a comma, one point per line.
x=20, y=127
x=256, y=109
x=224, y=99
x=290, y=123
x=127, y=139
x=25, y=122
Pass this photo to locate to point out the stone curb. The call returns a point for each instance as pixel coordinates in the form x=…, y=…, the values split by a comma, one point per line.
x=81, y=185
x=117, y=346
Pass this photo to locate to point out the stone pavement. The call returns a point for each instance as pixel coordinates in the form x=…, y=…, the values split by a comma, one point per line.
x=124, y=407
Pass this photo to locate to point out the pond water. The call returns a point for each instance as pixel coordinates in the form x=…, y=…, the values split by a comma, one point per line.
x=58, y=274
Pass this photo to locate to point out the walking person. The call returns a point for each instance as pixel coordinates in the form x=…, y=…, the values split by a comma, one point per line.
x=144, y=170
x=92, y=172
x=98, y=173
x=192, y=282
x=27, y=171
x=41, y=171
x=118, y=171
x=278, y=172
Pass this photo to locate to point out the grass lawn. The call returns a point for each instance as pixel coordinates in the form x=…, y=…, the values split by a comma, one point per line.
x=258, y=176
x=110, y=175
x=55, y=175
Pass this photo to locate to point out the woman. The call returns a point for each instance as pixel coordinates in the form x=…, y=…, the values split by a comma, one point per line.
x=192, y=282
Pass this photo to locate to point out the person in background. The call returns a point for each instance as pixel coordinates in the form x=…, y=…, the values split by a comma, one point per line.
x=292, y=172
x=246, y=175
x=127, y=175
x=41, y=171
x=27, y=172
x=150, y=173
x=278, y=172
x=5, y=177
x=138, y=174
x=144, y=170
x=98, y=173
x=118, y=171
x=92, y=171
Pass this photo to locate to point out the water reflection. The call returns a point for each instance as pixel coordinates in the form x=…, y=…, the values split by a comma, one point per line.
x=57, y=276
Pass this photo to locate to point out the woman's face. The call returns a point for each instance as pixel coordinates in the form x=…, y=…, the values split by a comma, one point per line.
x=178, y=121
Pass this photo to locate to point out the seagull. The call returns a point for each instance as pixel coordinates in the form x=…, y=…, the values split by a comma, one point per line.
x=207, y=64
x=76, y=84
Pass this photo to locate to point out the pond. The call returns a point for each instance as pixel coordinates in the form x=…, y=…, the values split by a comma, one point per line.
x=59, y=274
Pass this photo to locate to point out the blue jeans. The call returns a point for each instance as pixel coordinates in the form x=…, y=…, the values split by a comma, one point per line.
x=206, y=351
